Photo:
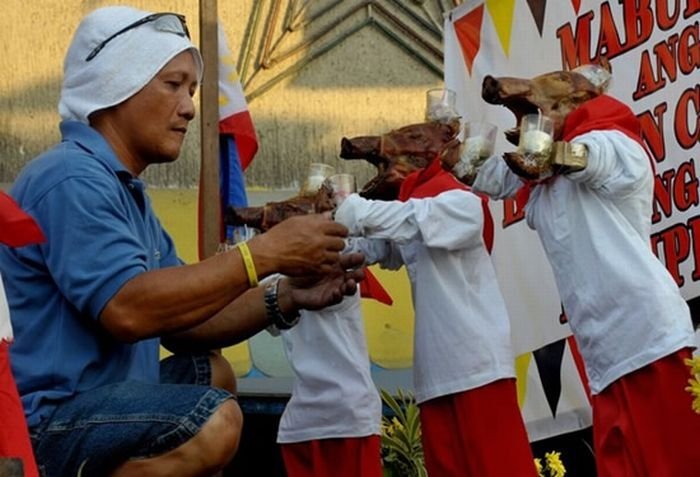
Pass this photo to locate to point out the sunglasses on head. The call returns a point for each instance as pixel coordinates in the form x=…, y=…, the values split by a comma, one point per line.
x=166, y=21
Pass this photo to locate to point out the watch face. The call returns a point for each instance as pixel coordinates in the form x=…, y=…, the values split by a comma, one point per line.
x=272, y=308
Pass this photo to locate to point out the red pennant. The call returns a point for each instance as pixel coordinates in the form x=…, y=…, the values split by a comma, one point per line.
x=468, y=29
x=17, y=228
x=371, y=288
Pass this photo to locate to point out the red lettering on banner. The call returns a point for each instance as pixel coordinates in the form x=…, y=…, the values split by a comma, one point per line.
x=609, y=44
x=685, y=187
x=646, y=83
x=653, y=131
x=678, y=51
x=688, y=109
x=664, y=19
x=689, y=49
x=638, y=26
x=575, y=49
x=662, y=195
x=674, y=242
x=694, y=226
x=691, y=8
x=675, y=187
x=511, y=213
x=639, y=21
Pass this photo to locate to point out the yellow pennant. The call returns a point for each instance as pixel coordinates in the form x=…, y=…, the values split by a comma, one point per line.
x=522, y=363
x=501, y=12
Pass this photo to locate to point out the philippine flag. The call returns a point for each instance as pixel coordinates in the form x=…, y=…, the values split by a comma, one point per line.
x=238, y=141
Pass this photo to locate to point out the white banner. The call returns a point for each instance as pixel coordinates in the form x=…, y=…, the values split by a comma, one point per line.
x=655, y=57
x=654, y=50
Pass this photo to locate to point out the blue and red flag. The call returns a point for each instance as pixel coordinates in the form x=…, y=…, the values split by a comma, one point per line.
x=238, y=141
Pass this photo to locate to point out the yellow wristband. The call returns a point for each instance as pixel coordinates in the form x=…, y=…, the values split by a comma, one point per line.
x=249, y=264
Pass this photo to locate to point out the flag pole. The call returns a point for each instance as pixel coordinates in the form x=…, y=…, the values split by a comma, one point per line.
x=209, y=200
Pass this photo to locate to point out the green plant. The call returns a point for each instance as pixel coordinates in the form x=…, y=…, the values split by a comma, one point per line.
x=694, y=382
x=402, y=450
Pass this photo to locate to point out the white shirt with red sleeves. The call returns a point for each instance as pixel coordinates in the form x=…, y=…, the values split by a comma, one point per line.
x=462, y=331
x=624, y=307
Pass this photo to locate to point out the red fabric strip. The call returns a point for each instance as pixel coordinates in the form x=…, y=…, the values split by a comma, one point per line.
x=17, y=228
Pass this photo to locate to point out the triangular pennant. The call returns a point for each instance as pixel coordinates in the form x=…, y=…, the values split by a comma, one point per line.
x=468, y=30
x=371, y=288
x=548, y=360
x=522, y=363
x=537, y=7
x=576, y=4
x=502, y=15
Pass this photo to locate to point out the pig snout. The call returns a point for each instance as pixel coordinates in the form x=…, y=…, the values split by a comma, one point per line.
x=490, y=89
x=359, y=147
x=506, y=90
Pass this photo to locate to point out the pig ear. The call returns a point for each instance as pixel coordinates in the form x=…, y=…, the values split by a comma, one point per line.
x=604, y=63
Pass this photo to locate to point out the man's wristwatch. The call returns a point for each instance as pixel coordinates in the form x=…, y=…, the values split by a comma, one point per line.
x=272, y=308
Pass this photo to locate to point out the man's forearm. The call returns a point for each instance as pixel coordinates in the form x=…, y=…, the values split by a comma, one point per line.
x=238, y=321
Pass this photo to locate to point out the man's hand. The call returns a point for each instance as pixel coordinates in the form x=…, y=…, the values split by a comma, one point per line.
x=317, y=292
x=300, y=246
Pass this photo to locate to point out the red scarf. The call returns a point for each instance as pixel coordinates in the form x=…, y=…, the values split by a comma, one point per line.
x=434, y=180
x=17, y=228
x=603, y=113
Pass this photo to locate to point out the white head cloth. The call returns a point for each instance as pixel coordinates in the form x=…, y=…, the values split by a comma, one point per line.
x=597, y=75
x=122, y=68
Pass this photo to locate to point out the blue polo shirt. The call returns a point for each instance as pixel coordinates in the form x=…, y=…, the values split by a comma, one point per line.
x=101, y=232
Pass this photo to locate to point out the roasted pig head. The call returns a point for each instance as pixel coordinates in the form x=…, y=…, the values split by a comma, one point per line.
x=555, y=94
x=399, y=152
x=265, y=217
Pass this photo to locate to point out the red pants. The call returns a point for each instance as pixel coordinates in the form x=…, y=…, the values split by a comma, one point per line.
x=476, y=433
x=14, y=436
x=344, y=457
x=643, y=423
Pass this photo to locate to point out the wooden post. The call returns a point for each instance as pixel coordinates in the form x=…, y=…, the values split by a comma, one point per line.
x=209, y=201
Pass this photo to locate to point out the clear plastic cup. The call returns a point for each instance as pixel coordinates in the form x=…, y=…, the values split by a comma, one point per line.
x=343, y=185
x=536, y=136
x=317, y=174
x=440, y=104
x=478, y=144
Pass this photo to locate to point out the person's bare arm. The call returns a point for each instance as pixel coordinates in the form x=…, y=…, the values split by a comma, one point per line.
x=168, y=300
x=246, y=315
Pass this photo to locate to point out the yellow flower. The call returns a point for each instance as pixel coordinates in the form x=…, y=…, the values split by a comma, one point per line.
x=694, y=365
x=538, y=466
x=694, y=381
x=694, y=389
x=554, y=464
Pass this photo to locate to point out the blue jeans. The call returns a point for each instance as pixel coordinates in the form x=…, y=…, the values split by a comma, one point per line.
x=96, y=431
